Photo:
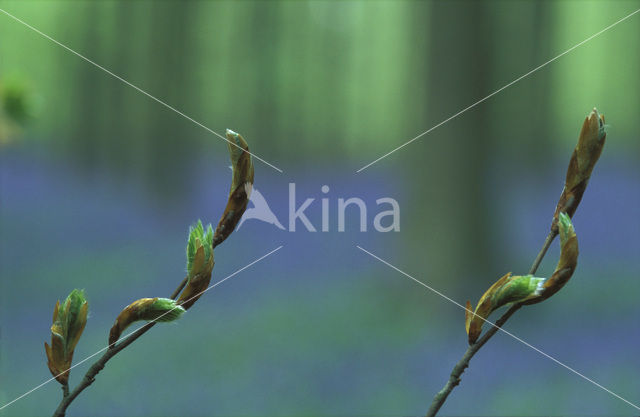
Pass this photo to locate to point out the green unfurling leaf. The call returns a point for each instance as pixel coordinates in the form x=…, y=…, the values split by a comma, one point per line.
x=526, y=289
x=150, y=309
x=69, y=320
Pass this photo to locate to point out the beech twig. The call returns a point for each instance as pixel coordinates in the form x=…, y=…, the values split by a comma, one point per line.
x=89, y=377
x=463, y=363
x=583, y=159
x=199, y=265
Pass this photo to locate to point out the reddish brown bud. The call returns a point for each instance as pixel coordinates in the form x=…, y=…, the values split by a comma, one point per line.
x=241, y=185
x=584, y=158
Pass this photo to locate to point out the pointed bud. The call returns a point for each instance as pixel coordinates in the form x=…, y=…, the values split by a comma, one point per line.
x=150, y=309
x=199, y=249
x=69, y=320
x=241, y=185
x=584, y=158
x=199, y=264
x=526, y=289
x=507, y=290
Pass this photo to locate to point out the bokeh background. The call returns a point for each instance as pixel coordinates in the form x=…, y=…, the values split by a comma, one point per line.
x=100, y=183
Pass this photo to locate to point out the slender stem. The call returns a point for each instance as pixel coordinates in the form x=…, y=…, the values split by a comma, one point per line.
x=463, y=363
x=112, y=350
x=547, y=243
x=89, y=377
x=175, y=293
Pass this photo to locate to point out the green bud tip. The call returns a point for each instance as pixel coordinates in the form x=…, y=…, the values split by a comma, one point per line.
x=75, y=318
x=519, y=288
x=602, y=127
x=565, y=227
x=199, y=238
x=165, y=310
x=69, y=319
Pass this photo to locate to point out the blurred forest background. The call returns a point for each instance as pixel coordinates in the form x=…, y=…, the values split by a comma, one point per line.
x=99, y=184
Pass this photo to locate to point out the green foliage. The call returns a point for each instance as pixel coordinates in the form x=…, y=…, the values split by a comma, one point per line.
x=518, y=288
x=16, y=99
x=73, y=317
x=150, y=309
x=526, y=289
x=162, y=310
x=69, y=319
x=198, y=238
x=565, y=228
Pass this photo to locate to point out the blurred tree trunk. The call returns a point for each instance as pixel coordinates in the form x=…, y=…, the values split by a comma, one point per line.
x=169, y=136
x=116, y=127
x=459, y=164
x=87, y=91
x=452, y=160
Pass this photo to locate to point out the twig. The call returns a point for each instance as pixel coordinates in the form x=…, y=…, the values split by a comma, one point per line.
x=175, y=293
x=547, y=243
x=89, y=377
x=242, y=180
x=583, y=159
x=463, y=363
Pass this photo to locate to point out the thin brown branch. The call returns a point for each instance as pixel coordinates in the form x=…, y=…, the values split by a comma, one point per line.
x=463, y=363
x=65, y=390
x=176, y=292
x=547, y=243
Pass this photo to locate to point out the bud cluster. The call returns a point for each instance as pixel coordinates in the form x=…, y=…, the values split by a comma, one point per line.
x=527, y=289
